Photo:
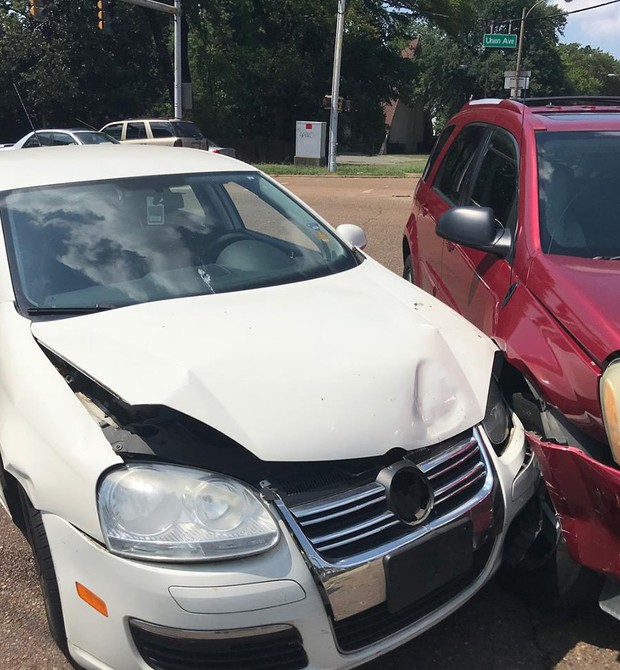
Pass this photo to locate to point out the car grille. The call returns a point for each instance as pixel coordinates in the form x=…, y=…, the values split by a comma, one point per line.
x=168, y=649
x=358, y=519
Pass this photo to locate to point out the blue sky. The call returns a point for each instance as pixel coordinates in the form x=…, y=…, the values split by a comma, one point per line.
x=600, y=27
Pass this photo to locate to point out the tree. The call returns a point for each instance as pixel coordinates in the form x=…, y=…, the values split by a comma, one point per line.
x=588, y=70
x=454, y=67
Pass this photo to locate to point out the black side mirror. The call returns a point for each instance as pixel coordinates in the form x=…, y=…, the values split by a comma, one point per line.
x=475, y=227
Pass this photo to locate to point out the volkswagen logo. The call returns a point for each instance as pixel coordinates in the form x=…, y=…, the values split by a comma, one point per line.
x=408, y=491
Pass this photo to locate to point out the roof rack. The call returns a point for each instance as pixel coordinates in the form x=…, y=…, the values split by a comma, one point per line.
x=571, y=101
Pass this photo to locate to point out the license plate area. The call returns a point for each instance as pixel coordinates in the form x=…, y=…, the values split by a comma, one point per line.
x=413, y=572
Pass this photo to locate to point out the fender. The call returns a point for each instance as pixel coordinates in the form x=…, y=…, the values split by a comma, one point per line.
x=560, y=370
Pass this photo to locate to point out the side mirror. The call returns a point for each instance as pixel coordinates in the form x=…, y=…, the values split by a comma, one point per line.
x=352, y=234
x=475, y=227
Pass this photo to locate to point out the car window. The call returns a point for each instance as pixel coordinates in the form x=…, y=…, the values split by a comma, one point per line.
x=187, y=129
x=137, y=240
x=38, y=140
x=115, y=130
x=578, y=194
x=439, y=145
x=62, y=139
x=161, y=129
x=451, y=178
x=496, y=182
x=136, y=130
x=93, y=137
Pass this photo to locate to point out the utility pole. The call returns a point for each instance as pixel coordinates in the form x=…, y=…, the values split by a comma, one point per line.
x=333, y=115
x=175, y=10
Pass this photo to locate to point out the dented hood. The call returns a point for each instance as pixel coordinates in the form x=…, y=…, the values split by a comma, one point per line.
x=340, y=367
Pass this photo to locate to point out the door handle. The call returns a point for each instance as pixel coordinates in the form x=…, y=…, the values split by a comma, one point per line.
x=450, y=246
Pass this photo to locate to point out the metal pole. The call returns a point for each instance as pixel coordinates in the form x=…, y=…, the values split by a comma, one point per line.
x=516, y=91
x=333, y=115
x=178, y=88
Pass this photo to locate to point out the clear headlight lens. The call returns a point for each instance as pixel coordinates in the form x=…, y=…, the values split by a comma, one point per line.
x=610, y=403
x=497, y=422
x=170, y=513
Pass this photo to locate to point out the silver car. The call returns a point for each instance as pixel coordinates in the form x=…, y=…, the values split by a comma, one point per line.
x=164, y=132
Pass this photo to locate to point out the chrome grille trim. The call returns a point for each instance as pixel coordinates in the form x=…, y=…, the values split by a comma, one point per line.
x=388, y=518
x=346, y=501
x=338, y=516
x=449, y=490
x=356, y=582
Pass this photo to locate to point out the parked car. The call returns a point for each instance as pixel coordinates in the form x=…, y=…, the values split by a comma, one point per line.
x=226, y=431
x=165, y=132
x=514, y=225
x=62, y=137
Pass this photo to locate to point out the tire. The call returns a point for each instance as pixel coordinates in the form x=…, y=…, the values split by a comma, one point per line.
x=35, y=534
x=408, y=269
x=537, y=566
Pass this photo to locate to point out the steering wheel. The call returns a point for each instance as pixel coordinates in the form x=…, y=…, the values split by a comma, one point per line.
x=218, y=245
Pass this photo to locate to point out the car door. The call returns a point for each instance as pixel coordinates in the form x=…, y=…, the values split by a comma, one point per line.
x=135, y=133
x=446, y=191
x=477, y=282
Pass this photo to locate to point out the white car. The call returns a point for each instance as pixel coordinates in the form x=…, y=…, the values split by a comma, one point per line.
x=60, y=137
x=231, y=437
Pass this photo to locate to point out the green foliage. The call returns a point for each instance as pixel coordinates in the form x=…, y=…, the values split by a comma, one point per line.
x=588, y=71
x=258, y=66
x=454, y=67
x=67, y=69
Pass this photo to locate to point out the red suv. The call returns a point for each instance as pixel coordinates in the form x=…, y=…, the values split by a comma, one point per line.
x=516, y=224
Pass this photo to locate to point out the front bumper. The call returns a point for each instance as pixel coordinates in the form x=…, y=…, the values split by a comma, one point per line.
x=585, y=495
x=286, y=609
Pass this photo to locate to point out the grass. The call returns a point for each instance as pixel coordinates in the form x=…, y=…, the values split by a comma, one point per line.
x=405, y=169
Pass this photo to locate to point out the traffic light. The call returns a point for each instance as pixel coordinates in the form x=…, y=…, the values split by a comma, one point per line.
x=105, y=15
x=40, y=9
x=326, y=103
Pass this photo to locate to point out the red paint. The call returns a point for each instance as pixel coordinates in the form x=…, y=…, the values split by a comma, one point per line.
x=308, y=126
x=559, y=325
x=585, y=494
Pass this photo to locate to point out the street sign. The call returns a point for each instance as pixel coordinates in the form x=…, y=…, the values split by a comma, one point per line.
x=499, y=41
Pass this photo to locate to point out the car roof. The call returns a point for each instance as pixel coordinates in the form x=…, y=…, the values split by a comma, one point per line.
x=558, y=113
x=149, y=119
x=64, y=165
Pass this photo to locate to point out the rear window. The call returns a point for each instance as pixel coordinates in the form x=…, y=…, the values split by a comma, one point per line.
x=161, y=129
x=187, y=129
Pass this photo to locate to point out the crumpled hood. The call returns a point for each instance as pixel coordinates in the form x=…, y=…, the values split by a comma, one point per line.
x=582, y=294
x=340, y=367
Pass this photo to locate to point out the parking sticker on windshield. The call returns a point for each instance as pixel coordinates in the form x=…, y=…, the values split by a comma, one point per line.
x=154, y=212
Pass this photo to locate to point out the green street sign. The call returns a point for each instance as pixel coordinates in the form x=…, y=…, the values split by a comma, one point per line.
x=499, y=41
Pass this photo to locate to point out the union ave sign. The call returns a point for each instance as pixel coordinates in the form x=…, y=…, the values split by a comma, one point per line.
x=499, y=41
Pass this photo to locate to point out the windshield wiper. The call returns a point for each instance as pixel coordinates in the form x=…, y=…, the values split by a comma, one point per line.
x=43, y=311
x=606, y=258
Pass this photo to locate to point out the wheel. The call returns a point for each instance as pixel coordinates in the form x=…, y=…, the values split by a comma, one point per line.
x=408, y=270
x=537, y=566
x=35, y=534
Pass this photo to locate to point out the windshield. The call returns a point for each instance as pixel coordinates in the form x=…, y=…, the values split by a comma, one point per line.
x=579, y=197
x=107, y=244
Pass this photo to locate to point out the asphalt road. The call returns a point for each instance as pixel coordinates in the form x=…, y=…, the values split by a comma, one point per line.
x=494, y=631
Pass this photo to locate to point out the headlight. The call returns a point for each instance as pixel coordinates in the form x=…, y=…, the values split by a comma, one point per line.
x=610, y=402
x=171, y=513
x=497, y=422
